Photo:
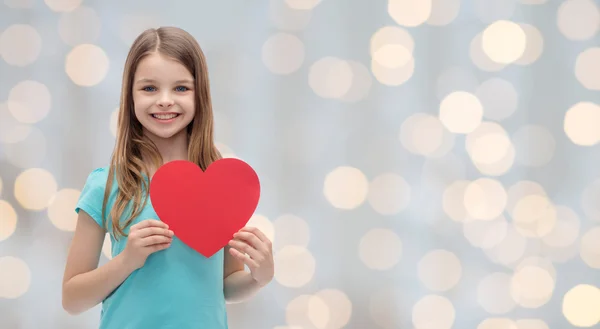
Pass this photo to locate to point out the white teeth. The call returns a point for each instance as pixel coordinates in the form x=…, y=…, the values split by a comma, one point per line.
x=164, y=116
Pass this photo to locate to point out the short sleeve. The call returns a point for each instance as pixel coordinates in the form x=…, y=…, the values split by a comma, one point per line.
x=92, y=195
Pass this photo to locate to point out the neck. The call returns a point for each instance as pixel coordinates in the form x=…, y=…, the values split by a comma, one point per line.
x=170, y=149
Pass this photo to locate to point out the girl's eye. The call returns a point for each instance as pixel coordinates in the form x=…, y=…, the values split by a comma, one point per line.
x=148, y=89
x=181, y=88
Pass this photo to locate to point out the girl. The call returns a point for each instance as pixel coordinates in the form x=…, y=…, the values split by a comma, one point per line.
x=153, y=280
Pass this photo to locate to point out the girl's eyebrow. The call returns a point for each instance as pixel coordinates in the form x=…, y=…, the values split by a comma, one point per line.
x=146, y=80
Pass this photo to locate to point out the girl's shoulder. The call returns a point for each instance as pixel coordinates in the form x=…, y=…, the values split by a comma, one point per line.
x=97, y=177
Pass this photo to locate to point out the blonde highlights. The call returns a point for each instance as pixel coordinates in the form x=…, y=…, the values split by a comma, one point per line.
x=132, y=147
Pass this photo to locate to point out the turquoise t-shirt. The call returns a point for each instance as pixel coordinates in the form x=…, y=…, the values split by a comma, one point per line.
x=176, y=288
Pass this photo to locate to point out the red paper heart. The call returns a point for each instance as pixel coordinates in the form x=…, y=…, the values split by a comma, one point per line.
x=205, y=209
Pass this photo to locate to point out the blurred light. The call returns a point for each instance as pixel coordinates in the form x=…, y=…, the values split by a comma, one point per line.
x=8, y=220
x=497, y=323
x=60, y=210
x=439, y=270
x=485, y=199
x=318, y=311
x=531, y=287
x=291, y=230
x=410, y=13
x=498, y=97
x=380, y=249
x=34, y=188
x=531, y=324
x=533, y=2
x=430, y=138
x=226, y=151
x=263, y=224
x=587, y=68
x=307, y=311
x=504, y=41
x=11, y=130
x=582, y=123
x=581, y=304
x=303, y=4
x=534, y=216
x=82, y=25
x=485, y=234
x=286, y=18
x=443, y=12
x=339, y=306
x=495, y=150
x=560, y=254
x=87, y=65
x=520, y=190
x=15, y=277
x=393, y=77
x=391, y=35
x=590, y=246
x=283, y=53
x=491, y=148
x=330, y=77
x=493, y=293
x=538, y=262
x=114, y=122
x=578, y=19
x=509, y=250
x=480, y=58
x=346, y=187
x=441, y=306
x=389, y=194
x=29, y=101
x=461, y=112
x=386, y=42
x=489, y=11
x=534, y=46
x=295, y=266
x=392, y=56
x=63, y=5
x=361, y=83
x=589, y=200
x=566, y=229
x=20, y=45
x=453, y=200
x=29, y=152
x=425, y=135
x=535, y=145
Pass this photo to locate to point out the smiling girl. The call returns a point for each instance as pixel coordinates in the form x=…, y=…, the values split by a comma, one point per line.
x=154, y=280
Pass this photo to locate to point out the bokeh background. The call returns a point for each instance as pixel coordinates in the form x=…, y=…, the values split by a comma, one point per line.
x=426, y=164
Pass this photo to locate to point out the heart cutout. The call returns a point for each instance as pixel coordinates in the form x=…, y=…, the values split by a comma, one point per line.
x=205, y=208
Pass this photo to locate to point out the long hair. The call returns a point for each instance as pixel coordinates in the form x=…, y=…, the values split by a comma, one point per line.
x=132, y=146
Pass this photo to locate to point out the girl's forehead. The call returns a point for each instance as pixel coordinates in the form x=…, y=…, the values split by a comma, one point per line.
x=160, y=68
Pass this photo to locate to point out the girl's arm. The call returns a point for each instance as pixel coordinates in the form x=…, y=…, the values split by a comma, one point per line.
x=84, y=284
x=252, y=248
x=238, y=284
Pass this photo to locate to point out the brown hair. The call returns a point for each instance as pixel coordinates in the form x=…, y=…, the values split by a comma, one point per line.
x=132, y=147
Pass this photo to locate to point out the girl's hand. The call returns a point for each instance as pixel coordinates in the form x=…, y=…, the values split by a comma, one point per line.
x=145, y=238
x=251, y=246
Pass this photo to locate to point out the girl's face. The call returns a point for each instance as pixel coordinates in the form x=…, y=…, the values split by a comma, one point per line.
x=163, y=97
